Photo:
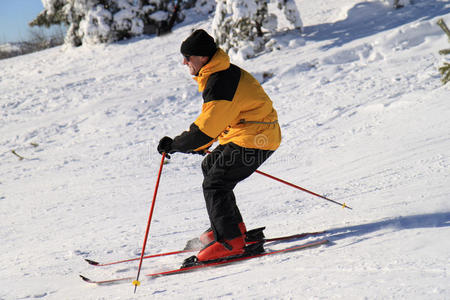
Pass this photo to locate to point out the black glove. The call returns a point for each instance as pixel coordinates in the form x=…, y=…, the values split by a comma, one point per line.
x=165, y=145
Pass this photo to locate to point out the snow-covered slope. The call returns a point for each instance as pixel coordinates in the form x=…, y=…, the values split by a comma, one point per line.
x=364, y=120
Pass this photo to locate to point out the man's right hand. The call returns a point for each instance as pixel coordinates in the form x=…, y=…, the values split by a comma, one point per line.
x=165, y=146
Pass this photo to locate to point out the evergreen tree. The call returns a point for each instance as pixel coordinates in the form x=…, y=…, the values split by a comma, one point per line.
x=103, y=21
x=245, y=27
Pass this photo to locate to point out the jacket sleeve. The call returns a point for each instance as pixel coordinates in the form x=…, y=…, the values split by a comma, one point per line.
x=192, y=140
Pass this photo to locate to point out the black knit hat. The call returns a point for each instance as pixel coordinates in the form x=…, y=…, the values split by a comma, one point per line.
x=199, y=43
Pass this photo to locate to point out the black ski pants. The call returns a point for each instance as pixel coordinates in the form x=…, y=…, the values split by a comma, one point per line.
x=222, y=169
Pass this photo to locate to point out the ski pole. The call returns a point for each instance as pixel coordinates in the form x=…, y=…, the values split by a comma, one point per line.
x=303, y=189
x=297, y=187
x=136, y=282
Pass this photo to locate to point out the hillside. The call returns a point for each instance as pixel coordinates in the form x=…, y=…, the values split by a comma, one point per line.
x=364, y=120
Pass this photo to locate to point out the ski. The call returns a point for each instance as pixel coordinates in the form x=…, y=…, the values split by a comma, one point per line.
x=282, y=238
x=98, y=264
x=208, y=264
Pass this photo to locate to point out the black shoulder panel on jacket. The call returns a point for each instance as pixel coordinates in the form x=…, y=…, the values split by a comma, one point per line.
x=190, y=140
x=222, y=85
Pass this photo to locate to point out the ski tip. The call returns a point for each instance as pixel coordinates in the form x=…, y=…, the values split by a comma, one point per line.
x=85, y=278
x=92, y=262
x=329, y=243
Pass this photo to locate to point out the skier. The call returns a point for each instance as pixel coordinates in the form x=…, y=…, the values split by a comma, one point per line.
x=238, y=113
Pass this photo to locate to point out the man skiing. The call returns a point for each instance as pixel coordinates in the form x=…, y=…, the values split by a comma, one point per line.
x=238, y=114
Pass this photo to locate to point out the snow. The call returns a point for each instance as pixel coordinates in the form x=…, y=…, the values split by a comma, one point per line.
x=9, y=47
x=364, y=120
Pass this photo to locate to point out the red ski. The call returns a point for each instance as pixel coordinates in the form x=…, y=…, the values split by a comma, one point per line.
x=207, y=265
x=289, y=237
x=95, y=263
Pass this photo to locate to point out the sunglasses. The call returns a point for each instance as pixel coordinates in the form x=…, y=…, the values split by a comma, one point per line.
x=187, y=57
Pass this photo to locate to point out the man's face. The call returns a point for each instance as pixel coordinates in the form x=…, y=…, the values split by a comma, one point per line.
x=195, y=63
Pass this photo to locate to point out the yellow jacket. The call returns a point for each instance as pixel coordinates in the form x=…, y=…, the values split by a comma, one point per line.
x=236, y=109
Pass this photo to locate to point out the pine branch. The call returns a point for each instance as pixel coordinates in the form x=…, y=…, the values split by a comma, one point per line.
x=444, y=51
x=445, y=72
x=445, y=69
x=444, y=27
x=18, y=155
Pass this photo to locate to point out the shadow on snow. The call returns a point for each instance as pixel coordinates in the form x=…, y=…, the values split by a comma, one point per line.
x=369, y=18
x=433, y=220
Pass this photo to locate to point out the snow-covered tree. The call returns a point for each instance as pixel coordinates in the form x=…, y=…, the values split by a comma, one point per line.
x=103, y=21
x=203, y=7
x=291, y=12
x=397, y=3
x=160, y=15
x=244, y=27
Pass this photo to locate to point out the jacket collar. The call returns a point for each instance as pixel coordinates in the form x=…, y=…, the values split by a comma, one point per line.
x=219, y=62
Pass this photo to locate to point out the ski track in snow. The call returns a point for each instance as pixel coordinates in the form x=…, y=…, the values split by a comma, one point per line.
x=364, y=119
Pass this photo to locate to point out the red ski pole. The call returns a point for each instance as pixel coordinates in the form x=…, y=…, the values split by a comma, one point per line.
x=302, y=189
x=136, y=282
x=298, y=187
